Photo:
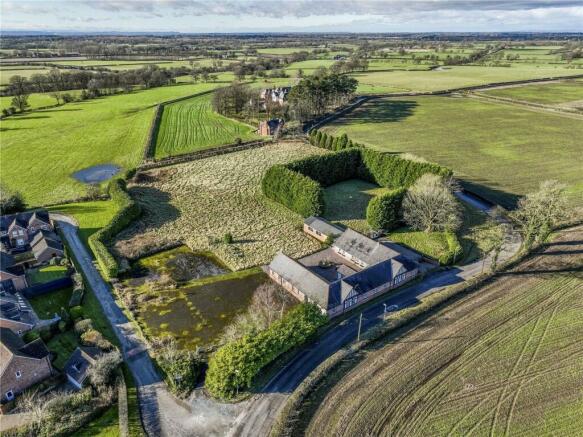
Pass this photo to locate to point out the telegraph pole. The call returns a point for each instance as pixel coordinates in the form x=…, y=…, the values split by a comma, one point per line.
x=359, y=325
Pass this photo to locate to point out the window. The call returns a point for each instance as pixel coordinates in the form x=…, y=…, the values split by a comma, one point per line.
x=399, y=278
x=20, y=242
x=351, y=299
x=18, y=374
x=9, y=395
x=20, y=232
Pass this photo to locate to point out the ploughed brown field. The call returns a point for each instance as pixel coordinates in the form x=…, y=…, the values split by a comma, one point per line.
x=505, y=360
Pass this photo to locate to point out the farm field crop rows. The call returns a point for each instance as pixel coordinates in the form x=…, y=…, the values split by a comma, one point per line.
x=499, y=150
x=505, y=360
x=453, y=77
x=192, y=124
x=197, y=203
x=548, y=93
x=49, y=145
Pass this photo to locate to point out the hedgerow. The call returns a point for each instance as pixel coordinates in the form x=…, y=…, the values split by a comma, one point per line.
x=290, y=184
x=294, y=190
x=382, y=211
x=235, y=365
x=128, y=210
x=454, y=250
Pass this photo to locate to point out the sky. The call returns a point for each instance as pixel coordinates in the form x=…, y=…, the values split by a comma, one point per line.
x=230, y=16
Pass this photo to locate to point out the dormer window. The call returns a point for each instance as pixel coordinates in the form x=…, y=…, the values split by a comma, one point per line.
x=9, y=395
x=18, y=374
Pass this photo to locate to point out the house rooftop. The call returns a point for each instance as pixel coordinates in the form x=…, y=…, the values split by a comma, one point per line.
x=363, y=248
x=312, y=285
x=23, y=219
x=11, y=345
x=79, y=361
x=324, y=226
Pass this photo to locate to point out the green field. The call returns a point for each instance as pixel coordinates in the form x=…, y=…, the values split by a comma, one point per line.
x=548, y=93
x=192, y=125
x=54, y=143
x=285, y=50
x=453, y=77
x=26, y=71
x=91, y=216
x=504, y=360
x=35, y=100
x=499, y=150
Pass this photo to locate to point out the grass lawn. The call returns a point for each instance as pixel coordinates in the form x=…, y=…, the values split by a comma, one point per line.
x=433, y=244
x=51, y=144
x=346, y=202
x=45, y=274
x=106, y=425
x=197, y=203
x=35, y=100
x=47, y=305
x=91, y=216
x=192, y=125
x=63, y=344
x=499, y=151
x=549, y=93
x=452, y=77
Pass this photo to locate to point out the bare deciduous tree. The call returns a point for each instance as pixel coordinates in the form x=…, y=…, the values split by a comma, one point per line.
x=430, y=205
x=538, y=212
x=100, y=373
x=492, y=240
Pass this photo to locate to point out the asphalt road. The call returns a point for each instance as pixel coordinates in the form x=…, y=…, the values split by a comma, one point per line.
x=133, y=348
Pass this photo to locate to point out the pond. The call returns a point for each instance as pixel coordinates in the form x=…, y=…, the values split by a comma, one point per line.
x=196, y=315
x=96, y=173
x=180, y=264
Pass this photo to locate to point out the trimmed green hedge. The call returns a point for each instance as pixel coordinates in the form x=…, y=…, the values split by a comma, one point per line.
x=98, y=242
x=383, y=211
x=293, y=190
x=235, y=365
x=454, y=250
x=298, y=185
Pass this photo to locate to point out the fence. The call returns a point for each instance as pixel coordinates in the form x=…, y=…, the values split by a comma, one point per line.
x=47, y=287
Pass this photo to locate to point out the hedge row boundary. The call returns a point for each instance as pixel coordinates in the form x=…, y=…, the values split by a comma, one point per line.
x=299, y=185
x=128, y=211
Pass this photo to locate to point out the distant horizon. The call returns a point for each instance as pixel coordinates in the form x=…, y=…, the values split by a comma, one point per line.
x=292, y=16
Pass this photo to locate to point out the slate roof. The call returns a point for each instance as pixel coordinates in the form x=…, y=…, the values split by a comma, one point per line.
x=46, y=243
x=11, y=345
x=363, y=248
x=323, y=225
x=7, y=265
x=79, y=361
x=42, y=234
x=312, y=285
x=23, y=219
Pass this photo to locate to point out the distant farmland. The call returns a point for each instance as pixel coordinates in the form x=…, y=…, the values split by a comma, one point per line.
x=192, y=125
x=547, y=93
x=505, y=360
x=499, y=150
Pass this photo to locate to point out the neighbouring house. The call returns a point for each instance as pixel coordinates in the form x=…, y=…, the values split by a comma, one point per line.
x=275, y=95
x=79, y=362
x=17, y=230
x=321, y=229
x=46, y=246
x=350, y=272
x=16, y=313
x=21, y=364
x=11, y=273
x=270, y=127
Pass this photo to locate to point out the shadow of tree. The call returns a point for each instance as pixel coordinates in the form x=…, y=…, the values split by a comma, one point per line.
x=382, y=111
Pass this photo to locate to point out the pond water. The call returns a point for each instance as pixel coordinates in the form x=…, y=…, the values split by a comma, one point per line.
x=96, y=173
x=180, y=264
x=197, y=315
